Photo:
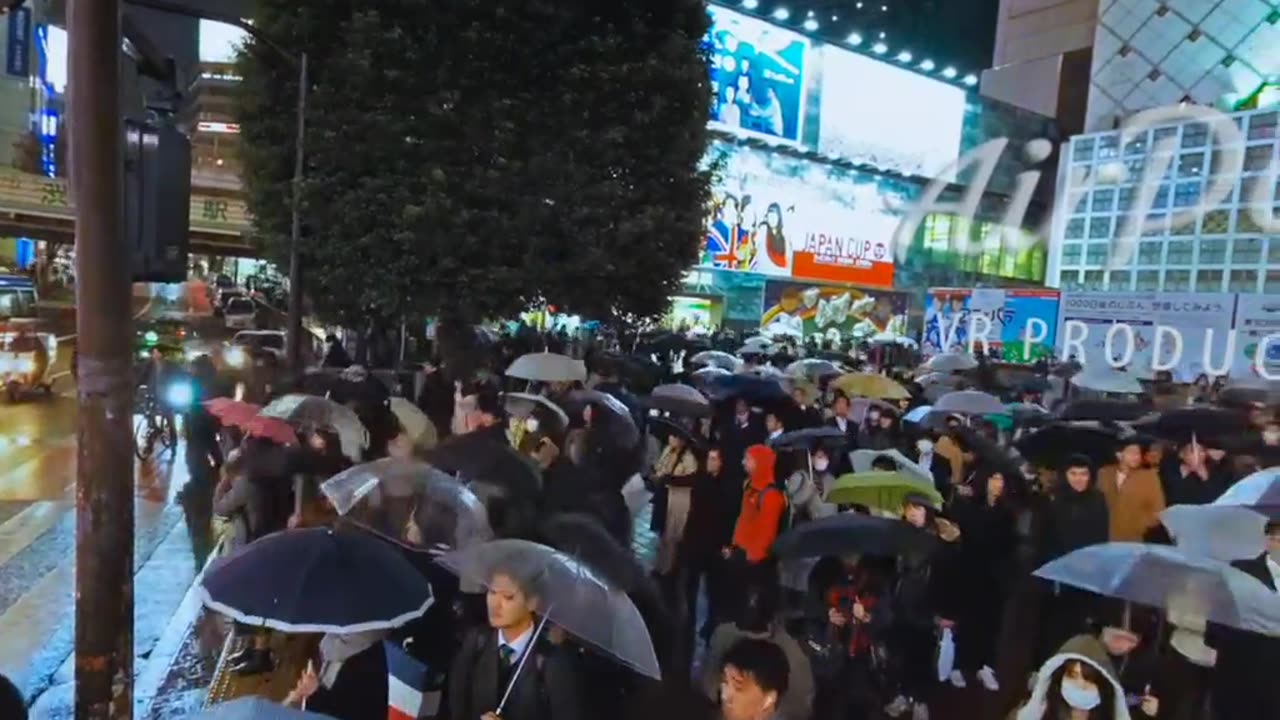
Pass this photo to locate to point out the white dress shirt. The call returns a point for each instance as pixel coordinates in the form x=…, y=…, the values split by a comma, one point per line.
x=517, y=645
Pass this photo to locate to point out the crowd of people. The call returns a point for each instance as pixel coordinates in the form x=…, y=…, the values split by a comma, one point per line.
x=924, y=604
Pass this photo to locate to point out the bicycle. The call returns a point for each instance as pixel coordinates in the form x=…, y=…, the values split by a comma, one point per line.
x=152, y=423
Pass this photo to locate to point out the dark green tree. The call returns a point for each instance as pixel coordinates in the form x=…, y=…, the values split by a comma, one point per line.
x=467, y=159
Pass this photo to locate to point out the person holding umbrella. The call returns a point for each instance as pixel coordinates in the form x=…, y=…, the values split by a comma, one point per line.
x=483, y=670
x=1244, y=686
x=1076, y=517
x=1133, y=493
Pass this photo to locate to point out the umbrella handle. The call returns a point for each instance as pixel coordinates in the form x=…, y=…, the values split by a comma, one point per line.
x=524, y=657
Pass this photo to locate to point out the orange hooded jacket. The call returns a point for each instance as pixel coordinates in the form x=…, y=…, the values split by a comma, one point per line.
x=762, y=508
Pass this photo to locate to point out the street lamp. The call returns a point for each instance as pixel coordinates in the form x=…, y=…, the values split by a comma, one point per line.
x=294, y=334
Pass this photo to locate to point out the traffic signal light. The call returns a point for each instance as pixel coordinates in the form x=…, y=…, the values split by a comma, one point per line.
x=157, y=200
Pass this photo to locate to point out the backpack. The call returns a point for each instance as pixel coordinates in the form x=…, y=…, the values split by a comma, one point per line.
x=785, y=519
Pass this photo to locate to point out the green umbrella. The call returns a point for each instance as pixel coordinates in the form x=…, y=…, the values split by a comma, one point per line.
x=880, y=490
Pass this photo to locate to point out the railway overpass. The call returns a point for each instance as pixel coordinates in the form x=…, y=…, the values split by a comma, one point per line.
x=41, y=207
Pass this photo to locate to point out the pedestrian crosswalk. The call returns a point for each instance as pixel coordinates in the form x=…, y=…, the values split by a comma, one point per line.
x=37, y=576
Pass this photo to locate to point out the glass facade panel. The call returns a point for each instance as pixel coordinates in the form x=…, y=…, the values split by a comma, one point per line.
x=1177, y=280
x=1208, y=281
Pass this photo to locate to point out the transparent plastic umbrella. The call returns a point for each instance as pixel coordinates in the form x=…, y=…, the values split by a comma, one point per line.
x=322, y=413
x=409, y=502
x=716, y=358
x=568, y=593
x=1162, y=576
x=970, y=402
x=547, y=367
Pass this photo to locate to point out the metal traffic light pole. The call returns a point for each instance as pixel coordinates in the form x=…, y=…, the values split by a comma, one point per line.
x=104, y=459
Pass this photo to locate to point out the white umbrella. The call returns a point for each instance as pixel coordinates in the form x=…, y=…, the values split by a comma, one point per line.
x=1161, y=576
x=950, y=363
x=415, y=423
x=970, y=402
x=1107, y=380
x=522, y=405
x=548, y=367
x=862, y=459
x=716, y=358
x=1224, y=532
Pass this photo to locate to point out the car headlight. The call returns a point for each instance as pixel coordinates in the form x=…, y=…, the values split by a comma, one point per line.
x=179, y=395
x=235, y=357
x=191, y=354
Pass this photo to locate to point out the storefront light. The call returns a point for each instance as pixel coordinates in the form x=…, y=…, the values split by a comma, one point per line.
x=811, y=24
x=879, y=48
x=751, y=4
x=854, y=39
x=970, y=79
x=781, y=14
x=948, y=72
x=904, y=56
x=928, y=65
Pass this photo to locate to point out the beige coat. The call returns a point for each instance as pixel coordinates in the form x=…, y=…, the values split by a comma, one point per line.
x=1134, y=507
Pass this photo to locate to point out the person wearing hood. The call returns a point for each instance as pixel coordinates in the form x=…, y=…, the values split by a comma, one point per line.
x=1244, y=685
x=990, y=537
x=351, y=683
x=759, y=520
x=1076, y=517
x=919, y=607
x=1078, y=683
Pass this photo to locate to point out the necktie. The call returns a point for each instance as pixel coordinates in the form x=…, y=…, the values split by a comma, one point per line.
x=507, y=655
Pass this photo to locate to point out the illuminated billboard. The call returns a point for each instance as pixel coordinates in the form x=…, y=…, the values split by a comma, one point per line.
x=757, y=76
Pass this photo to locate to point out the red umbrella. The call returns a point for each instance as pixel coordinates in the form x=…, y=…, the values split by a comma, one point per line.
x=273, y=429
x=232, y=413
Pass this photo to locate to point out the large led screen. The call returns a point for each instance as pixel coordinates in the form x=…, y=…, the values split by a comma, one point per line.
x=784, y=216
x=886, y=116
x=757, y=75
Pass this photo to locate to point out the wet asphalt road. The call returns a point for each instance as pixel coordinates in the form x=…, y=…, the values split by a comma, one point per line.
x=37, y=564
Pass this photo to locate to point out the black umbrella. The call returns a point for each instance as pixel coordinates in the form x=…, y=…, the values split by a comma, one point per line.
x=663, y=428
x=754, y=389
x=1207, y=423
x=481, y=457
x=1051, y=446
x=583, y=537
x=810, y=438
x=610, y=413
x=986, y=452
x=850, y=533
x=317, y=580
x=680, y=400
x=1102, y=410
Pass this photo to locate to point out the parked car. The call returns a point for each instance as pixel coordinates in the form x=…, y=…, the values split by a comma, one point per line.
x=240, y=313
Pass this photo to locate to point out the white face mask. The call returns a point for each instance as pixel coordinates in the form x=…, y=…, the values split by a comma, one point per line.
x=1080, y=698
x=924, y=446
x=821, y=464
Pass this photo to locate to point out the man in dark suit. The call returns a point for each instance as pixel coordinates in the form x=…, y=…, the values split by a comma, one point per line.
x=841, y=420
x=1244, y=686
x=547, y=685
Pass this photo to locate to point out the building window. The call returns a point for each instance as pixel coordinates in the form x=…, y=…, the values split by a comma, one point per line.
x=1245, y=222
x=1245, y=281
x=1071, y=254
x=1190, y=165
x=1195, y=135
x=1135, y=167
x=1184, y=228
x=1179, y=252
x=1177, y=280
x=1208, y=281
x=1186, y=194
x=1100, y=227
x=1213, y=252
x=1216, y=222
x=1075, y=229
x=1096, y=254
x=1156, y=225
x=1147, y=280
x=1271, y=283
x=1136, y=146
x=1246, y=250
x=1119, y=280
x=1082, y=150
x=1150, y=252
x=1161, y=199
x=1124, y=199
x=1093, y=280
x=1262, y=126
x=1108, y=147
x=1257, y=158
x=1250, y=186
x=1104, y=200
x=1273, y=250
x=1165, y=132
x=1070, y=281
